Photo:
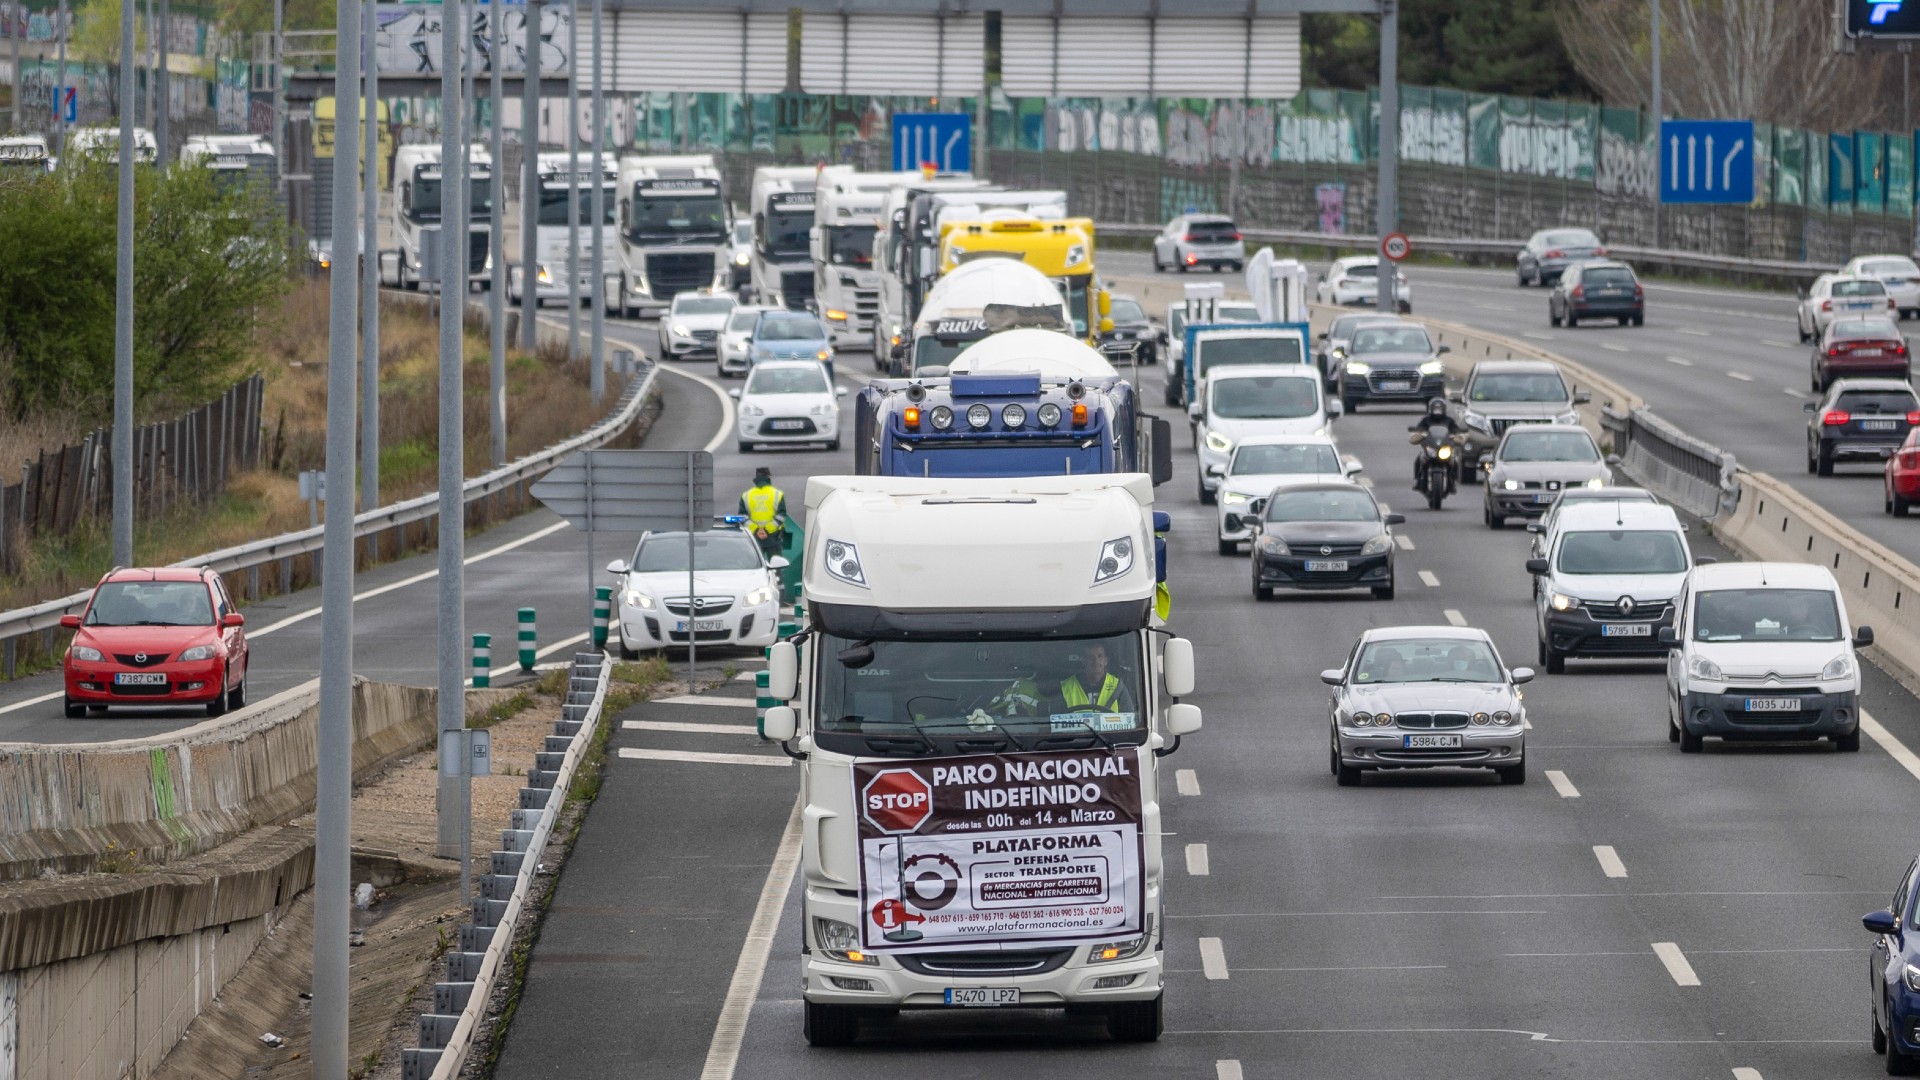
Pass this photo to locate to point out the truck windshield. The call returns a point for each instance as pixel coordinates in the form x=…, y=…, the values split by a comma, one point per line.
x=1228, y=351
x=932, y=355
x=934, y=697
x=787, y=232
x=423, y=202
x=1060, y=456
x=1078, y=292
x=553, y=205
x=851, y=245
x=676, y=215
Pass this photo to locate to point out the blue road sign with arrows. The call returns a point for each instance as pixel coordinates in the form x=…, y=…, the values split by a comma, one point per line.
x=1706, y=161
x=944, y=140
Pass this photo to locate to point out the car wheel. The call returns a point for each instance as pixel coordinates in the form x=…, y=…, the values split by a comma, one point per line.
x=1640, y=320
x=1229, y=547
x=1553, y=317
x=1801, y=330
x=1520, y=279
x=1383, y=592
x=1207, y=498
x=1823, y=464
x=1349, y=404
x=1135, y=1021
x=1689, y=742
x=237, y=697
x=1158, y=266
x=1572, y=320
x=218, y=706
x=1625, y=320
x=746, y=447
x=1813, y=466
x=1673, y=728
x=74, y=709
x=1513, y=774
x=1346, y=775
x=1496, y=521
x=1848, y=743
x=1556, y=662
x=830, y=1025
x=834, y=446
x=1897, y=505
x=1262, y=592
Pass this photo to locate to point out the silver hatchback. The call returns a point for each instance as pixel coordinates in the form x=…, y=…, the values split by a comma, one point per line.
x=1414, y=697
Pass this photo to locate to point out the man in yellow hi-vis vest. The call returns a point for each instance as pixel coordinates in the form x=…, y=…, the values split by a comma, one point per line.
x=1093, y=688
x=766, y=509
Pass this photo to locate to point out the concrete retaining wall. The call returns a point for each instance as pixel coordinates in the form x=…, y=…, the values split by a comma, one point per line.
x=64, y=807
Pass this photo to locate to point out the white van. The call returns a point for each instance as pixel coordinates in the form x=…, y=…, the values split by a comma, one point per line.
x=1763, y=654
x=1242, y=401
x=1608, y=580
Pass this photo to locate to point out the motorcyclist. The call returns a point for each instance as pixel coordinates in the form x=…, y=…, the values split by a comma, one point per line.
x=1438, y=425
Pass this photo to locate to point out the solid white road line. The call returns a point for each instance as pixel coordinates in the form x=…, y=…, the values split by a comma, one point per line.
x=1213, y=958
x=1227, y=1069
x=1680, y=360
x=1676, y=963
x=1427, y=579
x=1611, y=347
x=1197, y=860
x=688, y=727
x=1536, y=335
x=1894, y=747
x=1455, y=617
x=1740, y=375
x=1781, y=345
x=564, y=643
x=1405, y=541
x=1747, y=1074
x=1610, y=863
x=703, y=758
x=1186, y=781
x=1690, y=332
x=1562, y=785
x=723, y=1053
x=726, y=404
x=694, y=699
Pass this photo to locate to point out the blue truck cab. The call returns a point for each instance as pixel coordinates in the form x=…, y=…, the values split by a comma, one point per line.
x=1216, y=345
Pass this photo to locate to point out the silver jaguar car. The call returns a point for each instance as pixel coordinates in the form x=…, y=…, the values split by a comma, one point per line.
x=1414, y=697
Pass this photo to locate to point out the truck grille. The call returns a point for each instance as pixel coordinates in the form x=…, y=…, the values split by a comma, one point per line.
x=974, y=964
x=476, y=252
x=672, y=273
x=797, y=287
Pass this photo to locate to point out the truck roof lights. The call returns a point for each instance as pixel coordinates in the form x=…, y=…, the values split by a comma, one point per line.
x=1049, y=415
x=1079, y=414
x=1014, y=416
x=916, y=393
x=979, y=415
x=1116, y=558
x=1075, y=390
x=911, y=417
x=942, y=418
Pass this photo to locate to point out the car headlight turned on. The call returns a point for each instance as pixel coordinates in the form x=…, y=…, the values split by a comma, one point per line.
x=1703, y=668
x=1359, y=367
x=637, y=599
x=680, y=330
x=761, y=595
x=1597, y=482
x=1562, y=602
x=1116, y=558
x=1510, y=485
x=1433, y=367
x=1219, y=443
x=840, y=941
x=198, y=652
x=1234, y=499
x=82, y=652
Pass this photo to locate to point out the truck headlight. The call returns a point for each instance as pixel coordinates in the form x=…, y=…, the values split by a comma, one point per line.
x=1116, y=558
x=1377, y=545
x=1433, y=367
x=761, y=595
x=840, y=941
x=1837, y=668
x=1109, y=951
x=544, y=277
x=198, y=652
x=740, y=258
x=843, y=562
x=1219, y=443
x=1076, y=254
x=83, y=652
x=1475, y=421
x=1562, y=602
x=1703, y=668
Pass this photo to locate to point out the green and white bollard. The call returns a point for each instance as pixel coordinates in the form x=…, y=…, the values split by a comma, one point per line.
x=602, y=605
x=529, y=640
x=762, y=701
x=482, y=661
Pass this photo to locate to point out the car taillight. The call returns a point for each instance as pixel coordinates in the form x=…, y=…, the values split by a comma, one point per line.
x=1835, y=418
x=1899, y=348
x=1600, y=252
x=1192, y=258
x=1910, y=459
x=1826, y=305
x=1913, y=417
x=1889, y=303
x=1556, y=255
x=1833, y=350
x=1187, y=239
x=1578, y=292
x=1235, y=237
x=1639, y=292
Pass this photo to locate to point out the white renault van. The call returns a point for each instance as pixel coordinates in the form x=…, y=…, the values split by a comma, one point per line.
x=1608, y=581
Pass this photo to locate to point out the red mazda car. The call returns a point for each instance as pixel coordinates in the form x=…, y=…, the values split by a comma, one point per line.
x=1902, y=475
x=167, y=636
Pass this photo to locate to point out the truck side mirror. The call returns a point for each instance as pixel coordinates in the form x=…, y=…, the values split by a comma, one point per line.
x=1182, y=720
x=1177, y=667
x=780, y=724
x=1162, y=447
x=783, y=677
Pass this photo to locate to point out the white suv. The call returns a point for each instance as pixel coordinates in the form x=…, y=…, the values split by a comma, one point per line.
x=1608, y=581
x=1763, y=654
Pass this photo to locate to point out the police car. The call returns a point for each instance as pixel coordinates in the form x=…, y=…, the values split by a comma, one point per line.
x=734, y=599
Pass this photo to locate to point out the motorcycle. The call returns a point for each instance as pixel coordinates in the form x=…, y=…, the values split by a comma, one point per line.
x=1438, y=467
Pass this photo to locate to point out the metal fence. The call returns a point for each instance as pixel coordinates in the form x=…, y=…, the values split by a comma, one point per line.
x=188, y=459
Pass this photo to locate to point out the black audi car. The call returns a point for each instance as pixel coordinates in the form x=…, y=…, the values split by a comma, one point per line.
x=1322, y=536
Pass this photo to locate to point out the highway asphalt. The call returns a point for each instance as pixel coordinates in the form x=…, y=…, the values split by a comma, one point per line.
x=1627, y=913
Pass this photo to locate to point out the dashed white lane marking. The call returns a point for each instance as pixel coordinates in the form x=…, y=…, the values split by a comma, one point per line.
x=1227, y=1069
x=1405, y=541
x=1782, y=345
x=1562, y=785
x=1791, y=392
x=1740, y=375
x=1690, y=332
x=699, y=757
x=692, y=699
x=1536, y=335
x=723, y=1052
x=1894, y=747
x=1455, y=617
x=1197, y=860
x=1676, y=963
x=1186, y=782
x=1747, y=1074
x=1213, y=958
x=1427, y=579
x=1611, y=347
x=1680, y=360
x=1385, y=509
x=687, y=727
x=1610, y=863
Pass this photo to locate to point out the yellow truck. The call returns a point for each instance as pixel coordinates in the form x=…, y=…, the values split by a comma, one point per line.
x=1061, y=248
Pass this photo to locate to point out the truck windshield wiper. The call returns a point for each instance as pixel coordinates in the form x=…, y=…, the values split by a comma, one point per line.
x=919, y=738
x=1097, y=734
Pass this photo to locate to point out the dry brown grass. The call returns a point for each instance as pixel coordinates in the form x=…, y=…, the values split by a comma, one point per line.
x=22, y=441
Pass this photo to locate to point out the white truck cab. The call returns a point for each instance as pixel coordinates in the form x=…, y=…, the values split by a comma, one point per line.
x=24, y=154
x=554, y=173
x=846, y=218
x=954, y=316
x=416, y=209
x=892, y=254
x=106, y=141
x=782, y=207
x=673, y=231
x=980, y=703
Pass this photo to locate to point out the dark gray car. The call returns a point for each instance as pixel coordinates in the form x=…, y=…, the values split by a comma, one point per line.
x=1502, y=393
x=1534, y=463
x=1550, y=251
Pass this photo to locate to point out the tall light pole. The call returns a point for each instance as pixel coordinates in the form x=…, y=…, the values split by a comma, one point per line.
x=1387, y=198
x=452, y=711
x=160, y=92
x=279, y=94
x=123, y=307
x=573, y=182
x=333, y=809
x=497, y=303
x=59, y=105
x=370, y=273
x=597, y=381
x=1657, y=149
x=530, y=181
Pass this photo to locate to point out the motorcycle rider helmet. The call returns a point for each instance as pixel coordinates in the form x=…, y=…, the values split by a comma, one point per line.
x=1436, y=406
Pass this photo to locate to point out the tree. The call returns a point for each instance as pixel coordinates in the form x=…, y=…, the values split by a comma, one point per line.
x=204, y=260
x=1486, y=46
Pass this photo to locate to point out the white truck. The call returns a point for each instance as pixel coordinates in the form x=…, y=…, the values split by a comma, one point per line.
x=674, y=234
x=980, y=703
x=82, y=141
x=782, y=207
x=955, y=314
x=416, y=211
x=554, y=258
x=846, y=218
x=890, y=254
x=236, y=161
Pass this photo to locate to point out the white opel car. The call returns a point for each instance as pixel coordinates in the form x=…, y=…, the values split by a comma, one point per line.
x=788, y=401
x=735, y=598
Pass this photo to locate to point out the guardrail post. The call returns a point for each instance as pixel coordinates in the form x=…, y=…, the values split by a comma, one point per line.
x=602, y=605
x=762, y=701
x=529, y=640
x=482, y=661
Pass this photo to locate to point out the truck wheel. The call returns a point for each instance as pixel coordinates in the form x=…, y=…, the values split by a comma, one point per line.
x=1135, y=1021
x=830, y=1025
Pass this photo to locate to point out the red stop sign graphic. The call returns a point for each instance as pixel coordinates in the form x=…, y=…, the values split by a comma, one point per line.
x=897, y=801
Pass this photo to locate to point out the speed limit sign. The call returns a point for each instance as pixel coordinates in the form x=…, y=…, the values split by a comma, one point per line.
x=1395, y=246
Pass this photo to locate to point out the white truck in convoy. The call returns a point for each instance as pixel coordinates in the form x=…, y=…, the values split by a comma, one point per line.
x=980, y=703
x=416, y=211
x=846, y=217
x=891, y=252
x=555, y=174
x=674, y=234
x=782, y=209
x=955, y=314
x=236, y=161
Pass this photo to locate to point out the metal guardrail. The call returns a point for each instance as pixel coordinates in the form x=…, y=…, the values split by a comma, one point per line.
x=1690, y=473
x=371, y=524
x=475, y=966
